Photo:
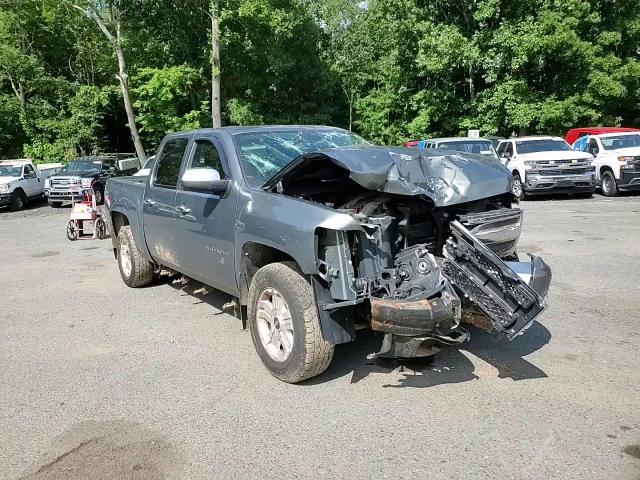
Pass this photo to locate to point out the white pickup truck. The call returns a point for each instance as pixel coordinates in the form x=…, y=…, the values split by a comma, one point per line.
x=21, y=180
x=541, y=164
x=617, y=160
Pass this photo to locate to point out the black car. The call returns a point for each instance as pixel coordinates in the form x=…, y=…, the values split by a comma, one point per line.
x=86, y=174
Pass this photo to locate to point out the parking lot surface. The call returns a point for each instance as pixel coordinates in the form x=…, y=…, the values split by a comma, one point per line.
x=101, y=381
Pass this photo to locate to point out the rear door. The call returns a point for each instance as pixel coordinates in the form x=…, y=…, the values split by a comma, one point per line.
x=205, y=222
x=159, y=201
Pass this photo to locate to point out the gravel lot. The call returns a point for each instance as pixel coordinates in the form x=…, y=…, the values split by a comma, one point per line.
x=101, y=381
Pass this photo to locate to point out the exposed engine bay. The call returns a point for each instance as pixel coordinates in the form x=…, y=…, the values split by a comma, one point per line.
x=424, y=256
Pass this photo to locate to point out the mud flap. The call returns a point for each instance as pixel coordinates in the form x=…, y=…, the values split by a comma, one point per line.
x=510, y=301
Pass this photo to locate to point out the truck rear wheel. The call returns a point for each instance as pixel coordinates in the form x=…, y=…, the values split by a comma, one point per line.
x=609, y=185
x=284, y=324
x=135, y=270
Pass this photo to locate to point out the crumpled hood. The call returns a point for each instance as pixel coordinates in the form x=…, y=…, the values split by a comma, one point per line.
x=5, y=180
x=447, y=177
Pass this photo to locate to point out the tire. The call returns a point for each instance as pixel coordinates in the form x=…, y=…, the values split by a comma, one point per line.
x=98, y=192
x=135, y=270
x=18, y=200
x=55, y=204
x=309, y=354
x=100, y=228
x=72, y=230
x=609, y=185
x=516, y=187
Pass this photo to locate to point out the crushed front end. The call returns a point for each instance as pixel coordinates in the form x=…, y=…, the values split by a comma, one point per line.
x=420, y=245
x=419, y=294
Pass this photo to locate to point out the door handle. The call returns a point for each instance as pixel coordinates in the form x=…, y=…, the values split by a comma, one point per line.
x=149, y=203
x=183, y=210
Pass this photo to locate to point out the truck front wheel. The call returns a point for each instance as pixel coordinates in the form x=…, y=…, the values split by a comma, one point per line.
x=516, y=187
x=284, y=324
x=135, y=270
x=18, y=200
x=609, y=185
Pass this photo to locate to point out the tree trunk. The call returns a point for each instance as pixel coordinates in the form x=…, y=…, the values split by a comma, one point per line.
x=128, y=106
x=350, y=110
x=216, y=117
x=122, y=75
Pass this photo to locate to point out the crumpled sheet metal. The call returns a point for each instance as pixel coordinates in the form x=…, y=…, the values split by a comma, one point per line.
x=447, y=177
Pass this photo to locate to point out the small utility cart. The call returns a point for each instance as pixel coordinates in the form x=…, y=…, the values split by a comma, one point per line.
x=83, y=213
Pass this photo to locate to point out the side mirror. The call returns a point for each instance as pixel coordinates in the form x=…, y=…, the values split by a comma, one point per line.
x=205, y=180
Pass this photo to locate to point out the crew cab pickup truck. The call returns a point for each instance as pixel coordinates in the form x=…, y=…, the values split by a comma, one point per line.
x=542, y=165
x=617, y=160
x=315, y=231
x=21, y=181
x=86, y=174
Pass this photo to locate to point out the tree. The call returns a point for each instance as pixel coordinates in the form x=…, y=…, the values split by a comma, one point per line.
x=111, y=16
x=214, y=15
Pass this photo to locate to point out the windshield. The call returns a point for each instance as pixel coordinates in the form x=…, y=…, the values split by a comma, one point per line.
x=10, y=171
x=480, y=147
x=82, y=166
x=546, y=145
x=264, y=153
x=621, y=141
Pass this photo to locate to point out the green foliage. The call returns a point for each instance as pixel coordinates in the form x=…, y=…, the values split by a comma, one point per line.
x=166, y=101
x=393, y=69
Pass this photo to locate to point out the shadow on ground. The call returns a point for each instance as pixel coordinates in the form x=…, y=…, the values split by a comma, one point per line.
x=451, y=365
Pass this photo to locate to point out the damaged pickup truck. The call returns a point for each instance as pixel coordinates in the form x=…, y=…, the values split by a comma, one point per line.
x=319, y=234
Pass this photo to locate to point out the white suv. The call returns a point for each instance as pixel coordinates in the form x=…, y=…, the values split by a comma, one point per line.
x=617, y=160
x=547, y=165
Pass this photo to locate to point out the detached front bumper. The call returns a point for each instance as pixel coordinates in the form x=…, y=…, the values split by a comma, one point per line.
x=550, y=182
x=502, y=297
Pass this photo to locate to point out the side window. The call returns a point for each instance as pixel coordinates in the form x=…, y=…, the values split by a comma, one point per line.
x=205, y=155
x=593, y=147
x=500, y=149
x=29, y=172
x=508, y=149
x=169, y=161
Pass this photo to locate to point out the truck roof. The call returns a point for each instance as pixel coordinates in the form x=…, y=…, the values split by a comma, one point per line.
x=257, y=128
x=457, y=139
x=536, y=137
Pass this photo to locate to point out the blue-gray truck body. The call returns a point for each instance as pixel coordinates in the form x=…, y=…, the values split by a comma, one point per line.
x=413, y=242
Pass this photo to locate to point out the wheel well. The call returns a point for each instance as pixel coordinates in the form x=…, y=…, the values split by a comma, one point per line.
x=118, y=220
x=605, y=168
x=257, y=255
x=515, y=173
x=18, y=190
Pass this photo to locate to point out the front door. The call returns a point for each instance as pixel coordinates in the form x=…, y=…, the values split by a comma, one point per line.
x=159, y=202
x=205, y=222
x=31, y=183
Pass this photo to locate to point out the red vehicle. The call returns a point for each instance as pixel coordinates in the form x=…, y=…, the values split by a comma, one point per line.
x=575, y=133
x=410, y=143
